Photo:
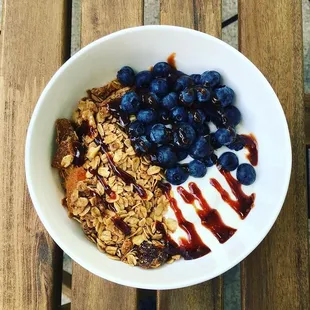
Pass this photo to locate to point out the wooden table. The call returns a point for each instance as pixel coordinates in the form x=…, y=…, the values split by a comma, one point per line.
x=35, y=41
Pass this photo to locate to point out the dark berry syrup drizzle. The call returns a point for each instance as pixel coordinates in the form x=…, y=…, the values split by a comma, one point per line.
x=121, y=225
x=250, y=144
x=114, y=108
x=210, y=218
x=118, y=222
x=106, y=186
x=79, y=154
x=171, y=60
x=190, y=248
x=79, y=150
x=126, y=177
x=86, y=129
x=244, y=203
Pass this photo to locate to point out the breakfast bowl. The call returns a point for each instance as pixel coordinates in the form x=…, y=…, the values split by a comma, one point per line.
x=262, y=118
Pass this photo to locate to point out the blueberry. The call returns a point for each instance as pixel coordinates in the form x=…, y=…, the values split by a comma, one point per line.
x=177, y=175
x=150, y=100
x=196, y=118
x=229, y=161
x=164, y=116
x=170, y=101
x=153, y=159
x=142, y=145
x=237, y=145
x=184, y=136
x=179, y=114
x=203, y=129
x=197, y=169
x=166, y=156
x=136, y=129
x=160, y=134
x=214, y=143
x=210, y=78
x=209, y=161
x=225, y=95
x=214, y=115
x=159, y=87
x=201, y=148
x=130, y=103
x=196, y=78
x=246, y=174
x=187, y=97
x=203, y=94
x=148, y=129
x=126, y=76
x=182, y=82
x=182, y=154
x=161, y=69
x=147, y=116
x=143, y=79
x=225, y=136
x=233, y=115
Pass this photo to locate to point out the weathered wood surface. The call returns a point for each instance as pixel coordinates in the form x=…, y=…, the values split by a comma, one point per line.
x=307, y=116
x=33, y=46
x=276, y=275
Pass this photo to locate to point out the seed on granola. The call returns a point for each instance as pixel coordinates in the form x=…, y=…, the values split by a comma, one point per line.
x=104, y=171
x=113, y=257
x=142, y=222
x=111, y=250
x=67, y=161
x=131, y=259
x=149, y=195
x=153, y=170
x=171, y=224
x=81, y=202
x=95, y=212
x=86, y=210
x=159, y=209
x=110, y=138
x=92, y=152
x=137, y=240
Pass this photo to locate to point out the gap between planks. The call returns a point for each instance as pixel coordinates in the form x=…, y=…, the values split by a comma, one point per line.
x=307, y=118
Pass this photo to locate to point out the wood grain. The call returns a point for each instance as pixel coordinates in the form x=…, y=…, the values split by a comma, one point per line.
x=99, y=18
x=203, y=15
x=307, y=117
x=32, y=48
x=276, y=275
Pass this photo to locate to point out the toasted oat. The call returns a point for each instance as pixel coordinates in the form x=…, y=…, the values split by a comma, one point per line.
x=96, y=196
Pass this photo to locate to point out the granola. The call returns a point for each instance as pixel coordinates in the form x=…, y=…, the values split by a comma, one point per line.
x=125, y=219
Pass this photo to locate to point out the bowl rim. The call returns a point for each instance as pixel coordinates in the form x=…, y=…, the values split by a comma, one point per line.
x=50, y=229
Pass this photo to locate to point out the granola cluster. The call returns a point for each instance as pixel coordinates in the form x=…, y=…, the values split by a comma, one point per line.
x=111, y=212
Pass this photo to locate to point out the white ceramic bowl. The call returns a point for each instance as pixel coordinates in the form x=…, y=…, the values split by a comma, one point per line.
x=140, y=48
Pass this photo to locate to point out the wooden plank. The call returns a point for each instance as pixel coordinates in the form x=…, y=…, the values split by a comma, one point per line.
x=66, y=284
x=32, y=49
x=101, y=17
x=204, y=16
x=307, y=116
x=275, y=275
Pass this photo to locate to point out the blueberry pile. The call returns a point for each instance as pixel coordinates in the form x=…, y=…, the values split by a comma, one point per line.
x=172, y=113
